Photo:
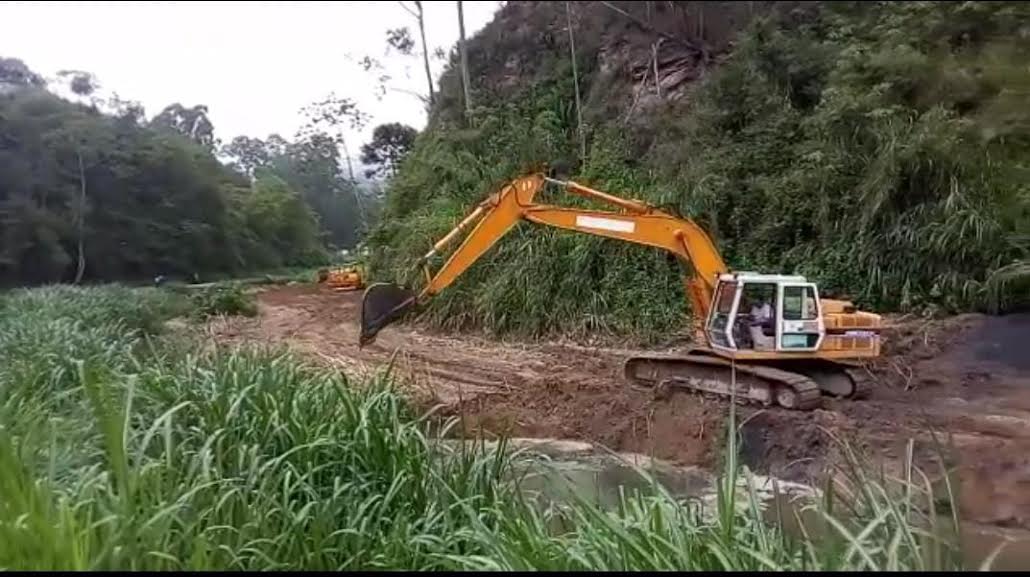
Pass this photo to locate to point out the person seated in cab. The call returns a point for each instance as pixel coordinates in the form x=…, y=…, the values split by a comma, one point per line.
x=762, y=331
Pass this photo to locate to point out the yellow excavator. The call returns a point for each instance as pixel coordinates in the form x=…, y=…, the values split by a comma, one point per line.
x=768, y=339
x=349, y=278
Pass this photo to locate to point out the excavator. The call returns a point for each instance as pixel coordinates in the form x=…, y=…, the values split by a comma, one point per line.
x=767, y=339
x=350, y=278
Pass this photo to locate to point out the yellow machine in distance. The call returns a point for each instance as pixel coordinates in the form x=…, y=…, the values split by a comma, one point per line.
x=344, y=279
x=767, y=338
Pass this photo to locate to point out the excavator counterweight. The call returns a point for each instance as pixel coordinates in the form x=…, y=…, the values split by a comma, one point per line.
x=765, y=338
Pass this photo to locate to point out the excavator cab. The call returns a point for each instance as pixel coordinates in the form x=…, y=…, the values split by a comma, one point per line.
x=754, y=313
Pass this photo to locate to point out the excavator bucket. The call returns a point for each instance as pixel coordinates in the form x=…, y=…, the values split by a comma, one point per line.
x=382, y=304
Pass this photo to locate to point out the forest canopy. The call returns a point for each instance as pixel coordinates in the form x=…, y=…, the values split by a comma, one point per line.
x=93, y=191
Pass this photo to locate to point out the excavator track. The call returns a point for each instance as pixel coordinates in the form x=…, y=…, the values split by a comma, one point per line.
x=839, y=380
x=863, y=382
x=712, y=374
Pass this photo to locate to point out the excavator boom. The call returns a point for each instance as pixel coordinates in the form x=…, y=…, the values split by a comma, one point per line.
x=634, y=222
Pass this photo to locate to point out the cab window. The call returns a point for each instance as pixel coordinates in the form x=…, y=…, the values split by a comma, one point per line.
x=799, y=303
x=724, y=302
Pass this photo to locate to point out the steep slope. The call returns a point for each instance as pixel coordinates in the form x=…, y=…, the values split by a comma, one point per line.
x=878, y=148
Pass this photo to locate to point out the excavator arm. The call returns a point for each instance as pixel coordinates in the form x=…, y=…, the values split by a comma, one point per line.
x=633, y=221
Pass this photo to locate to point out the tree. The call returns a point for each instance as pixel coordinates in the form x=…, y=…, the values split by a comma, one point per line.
x=247, y=153
x=127, y=110
x=15, y=74
x=310, y=166
x=81, y=83
x=277, y=213
x=400, y=40
x=419, y=16
x=88, y=195
x=192, y=123
x=389, y=145
x=85, y=88
x=464, y=60
x=333, y=113
x=80, y=138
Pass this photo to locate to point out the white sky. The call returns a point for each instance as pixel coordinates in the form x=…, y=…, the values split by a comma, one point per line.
x=255, y=64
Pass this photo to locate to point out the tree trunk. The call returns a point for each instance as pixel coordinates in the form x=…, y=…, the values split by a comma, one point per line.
x=346, y=154
x=575, y=84
x=425, y=51
x=464, y=60
x=82, y=217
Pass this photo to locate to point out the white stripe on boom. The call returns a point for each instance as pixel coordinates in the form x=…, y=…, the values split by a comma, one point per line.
x=605, y=223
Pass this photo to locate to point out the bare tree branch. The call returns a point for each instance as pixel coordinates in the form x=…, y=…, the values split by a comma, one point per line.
x=409, y=10
x=425, y=51
x=422, y=97
x=575, y=82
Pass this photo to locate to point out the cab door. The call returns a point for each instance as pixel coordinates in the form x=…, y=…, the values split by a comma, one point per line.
x=800, y=326
x=723, y=312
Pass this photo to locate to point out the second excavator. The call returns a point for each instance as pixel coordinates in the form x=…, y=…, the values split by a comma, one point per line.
x=765, y=338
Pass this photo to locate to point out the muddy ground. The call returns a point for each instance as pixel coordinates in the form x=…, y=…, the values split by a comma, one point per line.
x=966, y=378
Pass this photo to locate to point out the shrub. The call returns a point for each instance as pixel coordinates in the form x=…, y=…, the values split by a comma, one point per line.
x=223, y=299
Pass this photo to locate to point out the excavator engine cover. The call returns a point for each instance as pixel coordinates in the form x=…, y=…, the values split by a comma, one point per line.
x=382, y=304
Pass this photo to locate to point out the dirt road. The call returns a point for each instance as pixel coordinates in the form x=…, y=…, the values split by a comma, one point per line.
x=968, y=377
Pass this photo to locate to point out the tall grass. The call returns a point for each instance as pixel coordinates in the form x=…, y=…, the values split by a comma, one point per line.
x=120, y=450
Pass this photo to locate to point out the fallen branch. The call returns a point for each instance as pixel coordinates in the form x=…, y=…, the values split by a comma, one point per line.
x=905, y=374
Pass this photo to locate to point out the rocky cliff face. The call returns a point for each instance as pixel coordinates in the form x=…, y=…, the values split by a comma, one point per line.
x=621, y=48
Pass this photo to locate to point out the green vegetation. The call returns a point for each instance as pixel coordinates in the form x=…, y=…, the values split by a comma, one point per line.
x=312, y=167
x=91, y=191
x=878, y=148
x=223, y=299
x=125, y=448
x=150, y=202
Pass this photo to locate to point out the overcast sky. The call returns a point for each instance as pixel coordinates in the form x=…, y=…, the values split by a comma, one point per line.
x=255, y=64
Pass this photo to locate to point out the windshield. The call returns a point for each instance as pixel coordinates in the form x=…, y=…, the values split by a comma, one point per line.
x=724, y=297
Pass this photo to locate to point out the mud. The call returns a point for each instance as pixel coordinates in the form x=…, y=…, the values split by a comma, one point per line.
x=966, y=378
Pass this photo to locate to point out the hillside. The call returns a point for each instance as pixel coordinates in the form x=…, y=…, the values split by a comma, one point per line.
x=879, y=148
